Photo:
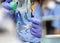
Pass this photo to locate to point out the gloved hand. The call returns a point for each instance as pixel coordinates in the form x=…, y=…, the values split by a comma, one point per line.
x=10, y=7
x=36, y=27
x=8, y=1
x=6, y=4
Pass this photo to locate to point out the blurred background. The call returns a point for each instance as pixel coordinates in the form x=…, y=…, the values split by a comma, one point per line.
x=51, y=21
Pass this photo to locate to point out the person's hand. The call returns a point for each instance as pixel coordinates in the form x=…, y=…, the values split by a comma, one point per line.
x=36, y=27
x=10, y=9
x=6, y=5
x=8, y=1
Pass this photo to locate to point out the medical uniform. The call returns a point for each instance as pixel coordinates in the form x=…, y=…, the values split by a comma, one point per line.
x=56, y=22
x=25, y=34
x=48, y=13
x=54, y=12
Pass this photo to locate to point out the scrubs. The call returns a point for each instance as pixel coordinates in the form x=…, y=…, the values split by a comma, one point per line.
x=56, y=22
x=37, y=13
x=55, y=12
x=48, y=12
x=25, y=34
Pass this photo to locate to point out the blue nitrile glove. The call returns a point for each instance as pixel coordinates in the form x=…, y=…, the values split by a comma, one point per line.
x=36, y=27
x=8, y=1
x=6, y=4
x=10, y=8
x=7, y=8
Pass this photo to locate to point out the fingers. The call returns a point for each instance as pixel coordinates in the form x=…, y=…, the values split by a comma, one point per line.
x=6, y=5
x=37, y=30
x=35, y=34
x=8, y=1
x=35, y=21
x=35, y=26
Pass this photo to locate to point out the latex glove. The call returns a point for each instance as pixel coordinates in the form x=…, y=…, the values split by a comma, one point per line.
x=10, y=7
x=6, y=5
x=8, y=1
x=36, y=27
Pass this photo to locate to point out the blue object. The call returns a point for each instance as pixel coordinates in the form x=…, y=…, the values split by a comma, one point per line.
x=56, y=22
x=32, y=36
x=7, y=5
x=18, y=17
x=26, y=36
x=36, y=27
x=8, y=1
x=37, y=13
x=49, y=12
x=8, y=9
x=54, y=12
x=57, y=9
